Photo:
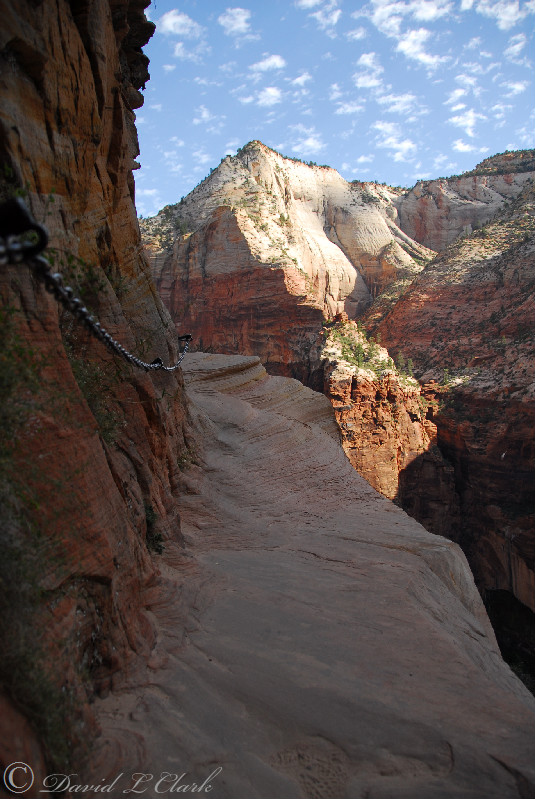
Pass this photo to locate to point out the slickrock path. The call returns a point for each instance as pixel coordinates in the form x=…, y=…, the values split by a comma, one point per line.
x=313, y=640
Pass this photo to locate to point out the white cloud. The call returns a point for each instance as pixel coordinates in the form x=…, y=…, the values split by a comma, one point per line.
x=370, y=61
x=516, y=86
x=516, y=45
x=349, y=108
x=206, y=82
x=327, y=17
x=356, y=35
x=461, y=147
x=467, y=121
x=190, y=55
x=387, y=15
x=271, y=95
x=147, y=192
x=169, y=67
x=203, y=115
x=411, y=44
x=309, y=141
x=246, y=100
x=231, y=146
x=507, y=13
x=390, y=136
x=442, y=161
x=269, y=62
x=201, y=156
x=370, y=76
x=213, y=122
x=301, y=79
x=308, y=3
x=365, y=159
x=156, y=107
x=235, y=21
x=335, y=92
x=177, y=23
x=454, y=96
x=501, y=111
x=176, y=141
x=398, y=103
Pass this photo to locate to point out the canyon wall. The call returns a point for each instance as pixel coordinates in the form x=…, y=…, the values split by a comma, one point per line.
x=307, y=248
x=266, y=248
x=91, y=449
x=437, y=212
x=467, y=323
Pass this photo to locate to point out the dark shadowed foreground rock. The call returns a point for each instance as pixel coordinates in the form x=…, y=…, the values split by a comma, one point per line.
x=313, y=640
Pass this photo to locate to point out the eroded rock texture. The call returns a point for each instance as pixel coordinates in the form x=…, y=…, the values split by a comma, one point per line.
x=467, y=322
x=437, y=212
x=275, y=247
x=313, y=640
x=90, y=449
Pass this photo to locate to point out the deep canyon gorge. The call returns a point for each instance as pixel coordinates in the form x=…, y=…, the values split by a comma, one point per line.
x=256, y=563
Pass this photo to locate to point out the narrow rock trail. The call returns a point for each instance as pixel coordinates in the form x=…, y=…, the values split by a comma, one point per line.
x=312, y=639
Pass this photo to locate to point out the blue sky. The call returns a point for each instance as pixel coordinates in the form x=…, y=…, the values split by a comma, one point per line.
x=388, y=90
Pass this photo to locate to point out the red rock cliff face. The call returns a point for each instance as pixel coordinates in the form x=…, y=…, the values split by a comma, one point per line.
x=90, y=459
x=387, y=427
x=467, y=321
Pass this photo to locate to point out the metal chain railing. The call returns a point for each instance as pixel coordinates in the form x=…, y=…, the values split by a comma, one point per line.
x=16, y=221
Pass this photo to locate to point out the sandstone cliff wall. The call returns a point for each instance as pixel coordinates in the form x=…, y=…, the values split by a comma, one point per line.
x=436, y=212
x=91, y=449
x=312, y=244
x=467, y=322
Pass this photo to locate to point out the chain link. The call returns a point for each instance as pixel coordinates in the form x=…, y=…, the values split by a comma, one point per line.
x=13, y=250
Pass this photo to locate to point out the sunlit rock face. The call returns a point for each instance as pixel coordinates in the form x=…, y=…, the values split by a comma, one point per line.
x=92, y=451
x=266, y=248
x=437, y=212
